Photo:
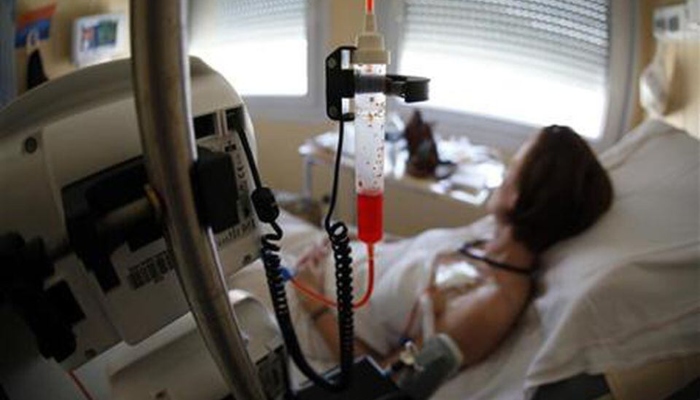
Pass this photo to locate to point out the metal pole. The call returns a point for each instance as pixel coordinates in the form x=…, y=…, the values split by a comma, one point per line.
x=162, y=94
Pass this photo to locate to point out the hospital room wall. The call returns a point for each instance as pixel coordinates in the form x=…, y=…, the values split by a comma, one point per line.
x=683, y=108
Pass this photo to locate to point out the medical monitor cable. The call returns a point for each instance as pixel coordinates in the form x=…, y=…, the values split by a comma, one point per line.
x=370, y=107
x=267, y=211
x=340, y=242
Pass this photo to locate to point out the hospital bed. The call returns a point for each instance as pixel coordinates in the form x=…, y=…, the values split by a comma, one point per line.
x=617, y=309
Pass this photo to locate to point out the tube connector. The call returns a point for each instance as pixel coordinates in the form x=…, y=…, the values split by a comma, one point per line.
x=370, y=44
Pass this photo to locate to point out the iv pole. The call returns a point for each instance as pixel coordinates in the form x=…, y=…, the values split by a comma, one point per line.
x=162, y=93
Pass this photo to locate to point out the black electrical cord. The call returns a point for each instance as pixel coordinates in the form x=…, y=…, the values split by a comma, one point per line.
x=266, y=208
x=340, y=242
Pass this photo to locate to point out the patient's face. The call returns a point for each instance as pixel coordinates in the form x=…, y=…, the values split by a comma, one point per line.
x=503, y=199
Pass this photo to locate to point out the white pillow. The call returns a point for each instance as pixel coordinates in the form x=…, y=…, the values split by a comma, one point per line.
x=627, y=291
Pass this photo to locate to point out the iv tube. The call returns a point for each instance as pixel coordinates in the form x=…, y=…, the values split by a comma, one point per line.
x=369, y=61
x=321, y=298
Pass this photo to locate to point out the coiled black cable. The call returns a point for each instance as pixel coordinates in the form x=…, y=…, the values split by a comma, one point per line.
x=340, y=242
x=266, y=208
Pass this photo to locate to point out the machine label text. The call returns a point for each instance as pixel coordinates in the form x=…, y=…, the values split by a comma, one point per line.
x=152, y=269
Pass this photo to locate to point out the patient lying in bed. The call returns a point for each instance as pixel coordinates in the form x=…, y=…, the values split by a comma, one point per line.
x=554, y=189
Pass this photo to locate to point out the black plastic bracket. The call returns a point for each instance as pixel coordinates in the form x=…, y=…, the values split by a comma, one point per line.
x=216, y=190
x=369, y=382
x=340, y=83
x=410, y=88
x=88, y=201
x=49, y=313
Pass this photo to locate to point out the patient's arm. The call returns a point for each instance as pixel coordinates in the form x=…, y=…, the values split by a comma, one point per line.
x=311, y=272
x=327, y=326
x=480, y=319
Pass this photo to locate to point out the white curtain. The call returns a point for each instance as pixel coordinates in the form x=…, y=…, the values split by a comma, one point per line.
x=259, y=45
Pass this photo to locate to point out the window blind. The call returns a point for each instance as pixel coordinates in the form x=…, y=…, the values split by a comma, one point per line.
x=259, y=45
x=521, y=60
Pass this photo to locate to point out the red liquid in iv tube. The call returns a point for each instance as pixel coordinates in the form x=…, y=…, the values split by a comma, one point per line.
x=370, y=216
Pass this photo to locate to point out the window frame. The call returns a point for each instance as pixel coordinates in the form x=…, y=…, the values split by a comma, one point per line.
x=509, y=135
x=308, y=107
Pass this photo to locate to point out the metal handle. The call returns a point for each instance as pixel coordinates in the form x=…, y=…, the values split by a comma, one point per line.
x=162, y=94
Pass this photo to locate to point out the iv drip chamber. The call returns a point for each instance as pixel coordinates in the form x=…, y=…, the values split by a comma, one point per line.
x=370, y=119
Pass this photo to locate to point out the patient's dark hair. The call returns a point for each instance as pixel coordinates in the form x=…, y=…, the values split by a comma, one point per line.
x=562, y=189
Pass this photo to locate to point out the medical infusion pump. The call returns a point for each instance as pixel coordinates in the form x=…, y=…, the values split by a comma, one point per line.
x=70, y=162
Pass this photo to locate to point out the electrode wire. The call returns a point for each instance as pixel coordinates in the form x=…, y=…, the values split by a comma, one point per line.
x=271, y=260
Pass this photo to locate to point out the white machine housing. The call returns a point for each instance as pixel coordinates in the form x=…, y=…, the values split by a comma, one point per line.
x=79, y=125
